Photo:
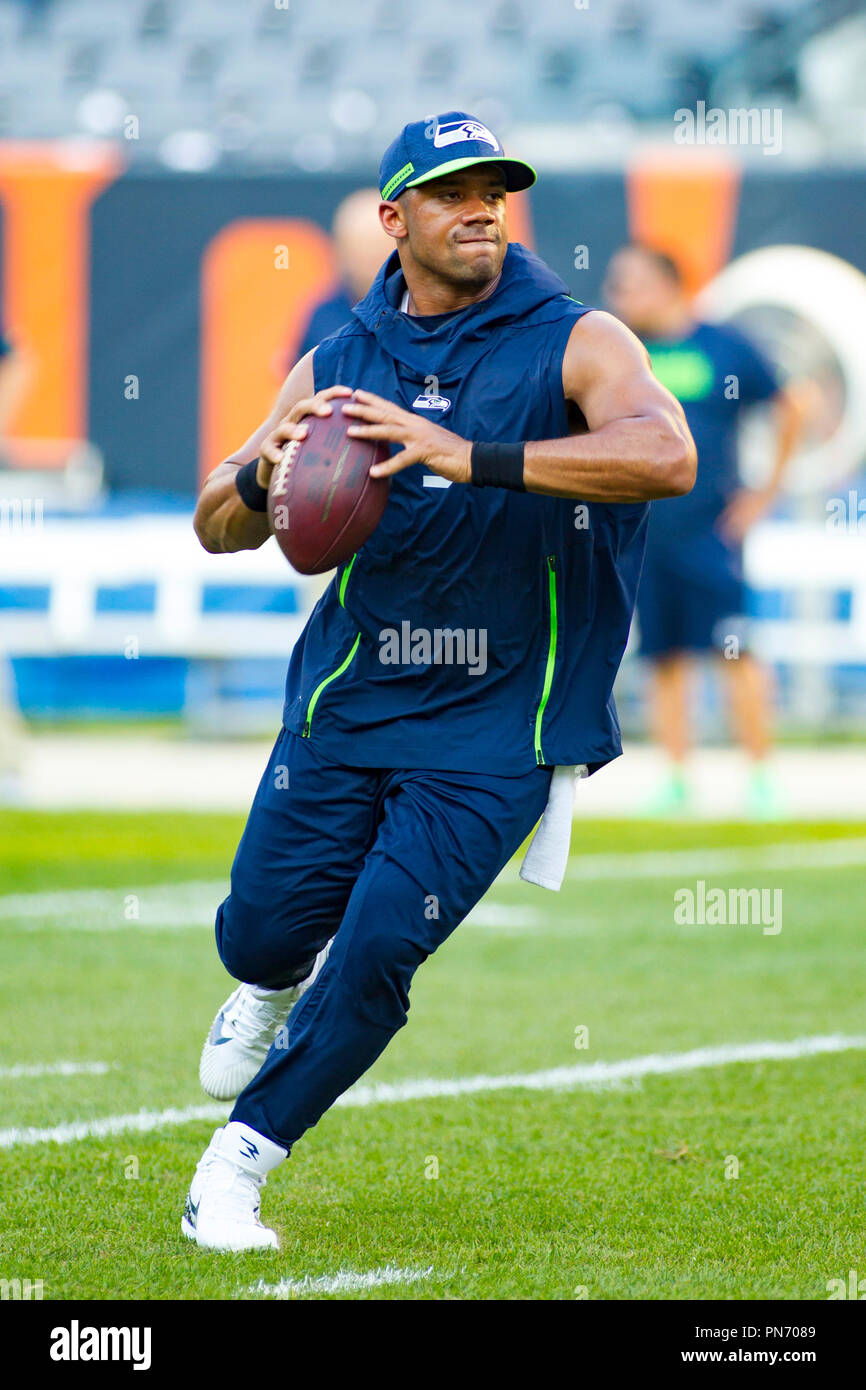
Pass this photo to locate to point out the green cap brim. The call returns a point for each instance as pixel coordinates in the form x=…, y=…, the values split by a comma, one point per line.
x=518, y=175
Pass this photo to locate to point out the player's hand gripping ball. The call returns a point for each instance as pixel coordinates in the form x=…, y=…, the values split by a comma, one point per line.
x=322, y=502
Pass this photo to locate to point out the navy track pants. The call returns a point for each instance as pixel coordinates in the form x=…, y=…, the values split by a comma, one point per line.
x=387, y=863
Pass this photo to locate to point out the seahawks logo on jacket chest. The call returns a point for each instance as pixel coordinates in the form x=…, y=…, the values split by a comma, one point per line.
x=427, y=400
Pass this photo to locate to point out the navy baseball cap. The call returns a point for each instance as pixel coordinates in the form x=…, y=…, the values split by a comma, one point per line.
x=440, y=144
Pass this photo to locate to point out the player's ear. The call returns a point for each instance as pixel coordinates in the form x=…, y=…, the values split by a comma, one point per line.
x=393, y=219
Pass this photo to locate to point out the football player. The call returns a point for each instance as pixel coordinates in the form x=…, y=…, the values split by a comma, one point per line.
x=396, y=792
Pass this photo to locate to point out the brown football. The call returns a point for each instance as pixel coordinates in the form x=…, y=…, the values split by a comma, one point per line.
x=322, y=503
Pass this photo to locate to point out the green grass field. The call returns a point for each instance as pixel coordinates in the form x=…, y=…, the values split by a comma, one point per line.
x=615, y=1191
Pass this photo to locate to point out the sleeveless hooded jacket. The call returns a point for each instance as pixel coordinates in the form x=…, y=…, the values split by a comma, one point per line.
x=478, y=629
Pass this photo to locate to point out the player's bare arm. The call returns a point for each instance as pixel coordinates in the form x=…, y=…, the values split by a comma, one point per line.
x=223, y=522
x=749, y=505
x=637, y=445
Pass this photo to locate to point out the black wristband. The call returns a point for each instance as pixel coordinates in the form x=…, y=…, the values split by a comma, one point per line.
x=250, y=490
x=498, y=465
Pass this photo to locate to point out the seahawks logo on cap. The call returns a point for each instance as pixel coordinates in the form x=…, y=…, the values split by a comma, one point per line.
x=453, y=132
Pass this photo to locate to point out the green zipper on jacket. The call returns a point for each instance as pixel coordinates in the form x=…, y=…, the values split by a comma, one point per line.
x=314, y=698
x=551, y=658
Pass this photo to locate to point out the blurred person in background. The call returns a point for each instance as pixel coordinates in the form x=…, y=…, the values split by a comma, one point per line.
x=12, y=381
x=13, y=378
x=361, y=246
x=692, y=596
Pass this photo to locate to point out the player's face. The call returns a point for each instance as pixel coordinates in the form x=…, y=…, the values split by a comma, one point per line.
x=456, y=225
x=638, y=291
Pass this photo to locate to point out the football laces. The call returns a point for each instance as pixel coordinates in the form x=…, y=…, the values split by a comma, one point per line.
x=285, y=464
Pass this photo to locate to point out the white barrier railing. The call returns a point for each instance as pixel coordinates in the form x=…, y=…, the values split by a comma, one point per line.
x=812, y=563
x=75, y=558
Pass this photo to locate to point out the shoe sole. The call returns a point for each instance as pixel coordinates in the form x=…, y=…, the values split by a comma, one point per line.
x=191, y=1234
x=229, y=1085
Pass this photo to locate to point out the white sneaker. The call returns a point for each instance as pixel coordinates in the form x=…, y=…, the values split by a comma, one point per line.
x=244, y=1029
x=223, y=1203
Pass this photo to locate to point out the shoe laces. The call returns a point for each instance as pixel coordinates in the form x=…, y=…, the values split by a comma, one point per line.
x=250, y=1018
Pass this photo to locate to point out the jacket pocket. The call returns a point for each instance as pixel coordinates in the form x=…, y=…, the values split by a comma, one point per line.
x=323, y=684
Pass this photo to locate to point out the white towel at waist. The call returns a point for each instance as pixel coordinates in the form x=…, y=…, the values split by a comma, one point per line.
x=545, y=860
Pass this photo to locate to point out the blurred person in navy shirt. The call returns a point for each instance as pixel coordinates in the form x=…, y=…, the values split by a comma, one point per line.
x=11, y=380
x=361, y=246
x=692, y=597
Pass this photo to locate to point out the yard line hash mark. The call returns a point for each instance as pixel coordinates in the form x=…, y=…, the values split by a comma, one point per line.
x=31, y=1069
x=344, y=1281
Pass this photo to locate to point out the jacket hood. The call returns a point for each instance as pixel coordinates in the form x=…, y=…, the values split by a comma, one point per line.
x=526, y=285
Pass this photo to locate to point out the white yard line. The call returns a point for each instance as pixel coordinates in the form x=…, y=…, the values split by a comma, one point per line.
x=142, y=1122
x=191, y=903
x=344, y=1281
x=805, y=854
x=174, y=907
x=589, y=1075
x=55, y=1069
x=504, y=915
x=593, y=1074
x=194, y=903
